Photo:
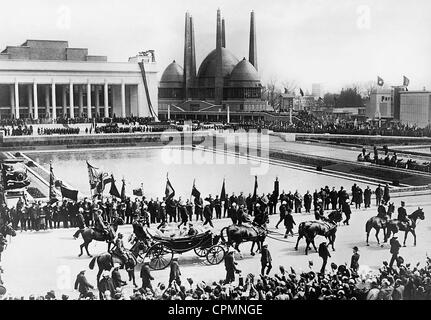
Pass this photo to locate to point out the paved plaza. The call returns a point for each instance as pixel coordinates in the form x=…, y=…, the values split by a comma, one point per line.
x=36, y=262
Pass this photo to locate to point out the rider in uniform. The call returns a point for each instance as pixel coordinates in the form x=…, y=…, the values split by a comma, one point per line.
x=402, y=214
x=99, y=224
x=120, y=250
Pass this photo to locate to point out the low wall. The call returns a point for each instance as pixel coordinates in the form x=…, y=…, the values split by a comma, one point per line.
x=363, y=139
x=98, y=140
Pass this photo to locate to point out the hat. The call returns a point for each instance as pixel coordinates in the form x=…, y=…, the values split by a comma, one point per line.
x=394, y=237
x=403, y=203
x=355, y=248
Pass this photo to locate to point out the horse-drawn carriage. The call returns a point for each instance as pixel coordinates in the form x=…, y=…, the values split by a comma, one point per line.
x=206, y=244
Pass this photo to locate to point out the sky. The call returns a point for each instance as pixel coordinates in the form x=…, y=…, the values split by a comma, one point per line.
x=332, y=42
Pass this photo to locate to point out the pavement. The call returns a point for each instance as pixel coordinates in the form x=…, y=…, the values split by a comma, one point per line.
x=36, y=262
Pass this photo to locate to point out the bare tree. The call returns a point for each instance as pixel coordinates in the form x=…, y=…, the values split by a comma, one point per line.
x=289, y=86
x=271, y=92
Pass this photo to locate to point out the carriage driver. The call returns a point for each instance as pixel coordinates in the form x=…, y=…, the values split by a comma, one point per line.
x=99, y=224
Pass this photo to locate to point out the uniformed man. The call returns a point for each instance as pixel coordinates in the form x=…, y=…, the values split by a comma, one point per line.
x=81, y=223
x=233, y=213
x=120, y=250
x=347, y=211
x=289, y=222
x=324, y=254
x=265, y=260
x=217, y=207
x=230, y=266
x=283, y=210
x=386, y=195
x=395, y=249
x=402, y=214
x=354, y=262
x=208, y=214
x=367, y=197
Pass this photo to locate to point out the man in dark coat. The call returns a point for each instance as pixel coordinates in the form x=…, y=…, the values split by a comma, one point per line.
x=233, y=213
x=395, y=250
x=199, y=208
x=283, y=211
x=230, y=266
x=81, y=223
x=217, y=207
x=354, y=262
x=82, y=285
x=334, y=198
x=146, y=276
x=289, y=222
x=265, y=260
x=208, y=215
x=106, y=284
x=324, y=254
x=183, y=215
x=367, y=197
x=379, y=194
x=347, y=211
x=386, y=195
x=175, y=272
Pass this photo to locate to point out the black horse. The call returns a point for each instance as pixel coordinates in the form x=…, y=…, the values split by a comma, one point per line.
x=5, y=230
x=379, y=222
x=326, y=227
x=90, y=234
x=393, y=226
x=236, y=234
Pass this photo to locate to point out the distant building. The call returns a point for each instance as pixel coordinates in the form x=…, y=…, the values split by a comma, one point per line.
x=48, y=79
x=305, y=102
x=385, y=103
x=415, y=108
x=316, y=90
x=221, y=83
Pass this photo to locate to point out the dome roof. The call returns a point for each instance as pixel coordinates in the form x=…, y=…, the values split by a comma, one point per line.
x=208, y=66
x=244, y=71
x=173, y=73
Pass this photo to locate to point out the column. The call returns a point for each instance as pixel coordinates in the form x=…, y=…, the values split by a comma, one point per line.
x=81, y=100
x=54, y=102
x=106, y=98
x=123, y=100
x=96, y=93
x=64, y=100
x=228, y=114
x=169, y=112
x=46, y=99
x=16, y=100
x=12, y=100
x=30, y=101
x=71, y=102
x=88, y=100
x=36, y=103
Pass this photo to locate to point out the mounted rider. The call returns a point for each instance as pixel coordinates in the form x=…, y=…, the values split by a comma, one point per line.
x=119, y=249
x=402, y=214
x=243, y=216
x=99, y=224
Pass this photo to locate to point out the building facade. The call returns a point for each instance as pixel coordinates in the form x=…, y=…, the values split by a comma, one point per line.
x=222, y=85
x=385, y=103
x=415, y=108
x=48, y=79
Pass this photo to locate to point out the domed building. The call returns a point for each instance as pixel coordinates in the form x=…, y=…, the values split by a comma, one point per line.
x=223, y=89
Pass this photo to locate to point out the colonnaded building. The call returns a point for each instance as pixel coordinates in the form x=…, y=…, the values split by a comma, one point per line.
x=223, y=89
x=43, y=79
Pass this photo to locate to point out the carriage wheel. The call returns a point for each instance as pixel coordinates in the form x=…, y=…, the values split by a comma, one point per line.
x=201, y=252
x=215, y=254
x=160, y=256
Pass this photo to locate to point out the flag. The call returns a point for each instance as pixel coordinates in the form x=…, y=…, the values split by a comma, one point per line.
x=406, y=81
x=102, y=180
x=92, y=176
x=169, y=190
x=380, y=82
x=52, y=194
x=223, y=192
x=301, y=92
x=138, y=192
x=114, y=191
x=67, y=193
x=255, y=189
x=195, y=191
x=123, y=191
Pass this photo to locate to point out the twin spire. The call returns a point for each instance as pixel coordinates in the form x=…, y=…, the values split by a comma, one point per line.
x=190, y=54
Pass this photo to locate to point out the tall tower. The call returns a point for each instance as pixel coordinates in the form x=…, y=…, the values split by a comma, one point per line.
x=252, y=53
x=218, y=94
x=223, y=33
x=189, y=56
